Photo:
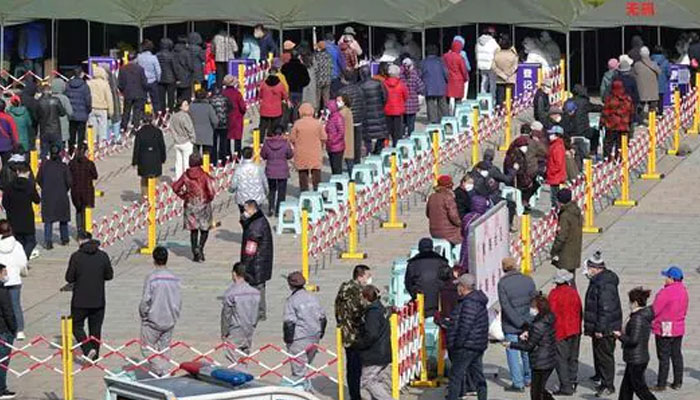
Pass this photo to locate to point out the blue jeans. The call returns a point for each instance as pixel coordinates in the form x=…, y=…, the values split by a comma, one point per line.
x=16, y=299
x=520, y=373
x=466, y=363
x=48, y=231
x=5, y=351
x=115, y=131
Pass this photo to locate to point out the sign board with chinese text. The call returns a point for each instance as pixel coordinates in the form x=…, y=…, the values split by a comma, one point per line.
x=489, y=243
x=526, y=78
x=680, y=78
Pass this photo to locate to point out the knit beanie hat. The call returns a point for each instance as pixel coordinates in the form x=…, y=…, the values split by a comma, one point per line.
x=296, y=279
x=394, y=70
x=564, y=196
x=596, y=260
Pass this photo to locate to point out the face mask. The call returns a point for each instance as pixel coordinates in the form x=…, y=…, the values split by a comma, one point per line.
x=552, y=137
x=484, y=173
x=523, y=149
x=4, y=279
x=340, y=104
x=469, y=187
x=369, y=281
x=533, y=311
x=632, y=306
x=246, y=214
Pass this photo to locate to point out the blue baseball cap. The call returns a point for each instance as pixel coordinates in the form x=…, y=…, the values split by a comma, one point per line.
x=674, y=272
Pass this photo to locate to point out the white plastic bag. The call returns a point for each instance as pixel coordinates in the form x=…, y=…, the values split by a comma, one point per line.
x=495, y=328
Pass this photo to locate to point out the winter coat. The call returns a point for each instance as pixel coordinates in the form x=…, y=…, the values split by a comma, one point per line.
x=323, y=68
x=17, y=201
x=374, y=338
x=338, y=59
x=55, y=181
x=181, y=128
x=250, y=48
x=523, y=176
x=150, y=65
x=536, y=157
x=486, y=48
x=374, y=124
x=565, y=304
x=435, y=76
x=414, y=84
x=26, y=95
x=396, y=97
x=101, y=92
x=457, y=73
x=25, y=128
x=505, y=65
x=349, y=311
x=239, y=311
x=272, y=93
x=423, y=276
x=307, y=137
x=303, y=319
x=132, y=82
x=268, y=45
x=58, y=87
x=646, y=73
x=13, y=257
x=222, y=107
x=618, y=109
x=78, y=92
x=635, y=338
x=8, y=323
x=8, y=132
x=257, y=249
x=541, y=105
x=276, y=151
x=335, y=128
x=204, y=120
x=583, y=108
x=443, y=217
x=603, y=311
x=149, y=151
x=236, y=113
x=224, y=48
x=49, y=113
x=515, y=291
x=630, y=84
x=297, y=75
x=349, y=153
x=83, y=176
x=606, y=82
x=664, y=72
x=568, y=242
x=556, y=163
x=166, y=59
x=195, y=187
x=249, y=183
x=478, y=206
x=469, y=326
x=540, y=343
x=183, y=66
x=197, y=55
x=88, y=270
x=116, y=115
x=463, y=200
x=161, y=300
x=670, y=310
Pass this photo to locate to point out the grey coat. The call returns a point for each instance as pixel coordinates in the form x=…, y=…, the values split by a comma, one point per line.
x=161, y=301
x=181, y=128
x=58, y=87
x=646, y=73
x=205, y=120
x=303, y=311
x=515, y=291
x=239, y=312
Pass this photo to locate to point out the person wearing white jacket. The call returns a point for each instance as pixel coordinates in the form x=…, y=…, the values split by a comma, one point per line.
x=12, y=256
x=486, y=48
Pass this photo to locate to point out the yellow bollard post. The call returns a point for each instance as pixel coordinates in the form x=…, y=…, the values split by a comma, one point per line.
x=423, y=382
x=256, y=146
x=676, y=123
x=696, y=110
x=339, y=348
x=509, y=119
x=651, y=157
x=151, y=217
x=435, y=145
x=88, y=219
x=352, y=253
x=441, y=357
x=90, y=138
x=526, y=251
x=395, y=380
x=475, y=136
x=624, y=200
x=540, y=76
x=562, y=75
x=305, y=250
x=196, y=87
x=270, y=58
x=241, y=79
x=69, y=366
x=125, y=59
x=589, y=212
x=206, y=162
x=393, y=222
x=34, y=166
x=64, y=355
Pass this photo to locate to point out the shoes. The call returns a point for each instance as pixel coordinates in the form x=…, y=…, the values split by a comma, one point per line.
x=201, y=255
x=48, y=246
x=514, y=389
x=34, y=254
x=657, y=388
x=604, y=392
x=65, y=242
x=468, y=395
x=595, y=378
x=6, y=394
x=561, y=393
x=92, y=354
x=21, y=336
x=197, y=256
x=676, y=386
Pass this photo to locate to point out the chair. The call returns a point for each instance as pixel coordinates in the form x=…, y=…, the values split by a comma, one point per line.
x=364, y=174
x=378, y=163
x=329, y=194
x=405, y=150
x=430, y=128
x=341, y=182
x=313, y=203
x=515, y=195
x=385, y=155
x=397, y=290
x=485, y=103
x=450, y=127
x=464, y=114
x=289, y=206
x=444, y=248
x=421, y=140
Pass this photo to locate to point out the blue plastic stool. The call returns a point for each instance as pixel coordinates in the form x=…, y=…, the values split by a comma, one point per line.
x=378, y=162
x=386, y=158
x=364, y=174
x=421, y=141
x=485, y=102
x=450, y=127
x=443, y=247
x=456, y=254
x=464, y=115
x=430, y=128
x=431, y=339
x=313, y=203
x=398, y=295
x=414, y=252
x=329, y=194
x=282, y=221
x=405, y=150
x=341, y=183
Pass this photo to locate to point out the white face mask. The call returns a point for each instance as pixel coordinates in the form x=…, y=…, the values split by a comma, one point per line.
x=484, y=173
x=469, y=187
x=633, y=306
x=552, y=137
x=340, y=104
x=533, y=311
x=523, y=149
x=369, y=281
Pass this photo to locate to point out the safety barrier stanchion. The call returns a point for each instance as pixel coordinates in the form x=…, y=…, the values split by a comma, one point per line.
x=67, y=356
x=340, y=361
x=125, y=59
x=651, y=162
x=423, y=382
x=34, y=165
x=589, y=209
x=526, y=256
x=395, y=384
x=696, y=109
x=305, y=250
x=64, y=356
x=241, y=79
x=393, y=222
x=256, y=145
x=90, y=133
x=151, y=244
x=352, y=253
x=436, y=156
x=206, y=162
x=624, y=200
x=562, y=75
x=509, y=118
x=540, y=76
x=441, y=356
x=676, y=123
x=475, y=136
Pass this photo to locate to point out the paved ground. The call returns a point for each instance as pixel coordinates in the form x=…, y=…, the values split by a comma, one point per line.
x=637, y=243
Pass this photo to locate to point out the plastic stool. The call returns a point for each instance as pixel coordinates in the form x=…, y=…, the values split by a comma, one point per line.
x=513, y=194
x=456, y=254
x=430, y=128
x=282, y=221
x=386, y=158
x=485, y=103
x=414, y=252
x=341, y=185
x=313, y=203
x=444, y=248
x=398, y=295
x=406, y=150
x=464, y=114
x=378, y=163
x=364, y=174
x=450, y=127
x=329, y=194
x=421, y=141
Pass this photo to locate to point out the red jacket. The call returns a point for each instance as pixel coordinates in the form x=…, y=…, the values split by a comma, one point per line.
x=236, y=113
x=457, y=73
x=272, y=93
x=396, y=96
x=556, y=162
x=618, y=109
x=195, y=186
x=565, y=304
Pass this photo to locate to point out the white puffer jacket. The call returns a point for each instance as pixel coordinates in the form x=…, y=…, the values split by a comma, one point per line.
x=486, y=48
x=12, y=256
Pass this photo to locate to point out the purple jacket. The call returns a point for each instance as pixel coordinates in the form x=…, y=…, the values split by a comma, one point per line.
x=335, y=128
x=670, y=309
x=276, y=150
x=479, y=205
x=415, y=87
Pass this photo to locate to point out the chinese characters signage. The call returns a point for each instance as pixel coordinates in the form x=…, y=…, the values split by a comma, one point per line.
x=640, y=9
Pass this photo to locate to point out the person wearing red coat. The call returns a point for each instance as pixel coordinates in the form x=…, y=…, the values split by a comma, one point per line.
x=395, y=105
x=457, y=74
x=618, y=112
x=556, y=162
x=565, y=304
x=272, y=94
x=237, y=112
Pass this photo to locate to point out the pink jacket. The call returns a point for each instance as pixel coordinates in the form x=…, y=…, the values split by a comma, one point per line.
x=670, y=307
x=335, y=128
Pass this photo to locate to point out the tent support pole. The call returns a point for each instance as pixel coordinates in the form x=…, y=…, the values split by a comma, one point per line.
x=478, y=75
x=658, y=35
x=104, y=39
x=228, y=29
x=512, y=34
x=369, y=29
x=140, y=34
x=441, y=38
x=597, y=58
x=281, y=38
x=622, y=39
x=583, y=59
x=88, y=38
x=313, y=36
x=422, y=40
x=165, y=30
x=2, y=45
x=568, y=61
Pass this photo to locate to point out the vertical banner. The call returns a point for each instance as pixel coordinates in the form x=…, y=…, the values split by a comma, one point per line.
x=489, y=243
x=680, y=78
x=526, y=78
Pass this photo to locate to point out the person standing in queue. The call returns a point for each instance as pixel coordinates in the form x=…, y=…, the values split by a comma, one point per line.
x=239, y=315
x=374, y=344
x=149, y=152
x=54, y=178
x=8, y=330
x=565, y=304
x=257, y=251
x=82, y=192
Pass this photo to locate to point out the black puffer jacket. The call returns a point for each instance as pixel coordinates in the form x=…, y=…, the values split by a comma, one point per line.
x=357, y=101
x=635, y=339
x=17, y=201
x=469, y=323
x=603, y=311
x=49, y=113
x=422, y=276
x=88, y=270
x=182, y=66
x=583, y=108
x=296, y=74
x=198, y=55
x=166, y=58
x=132, y=81
x=375, y=121
x=541, y=104
x=374, y=339
x=257, y=249
x=541, y=342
